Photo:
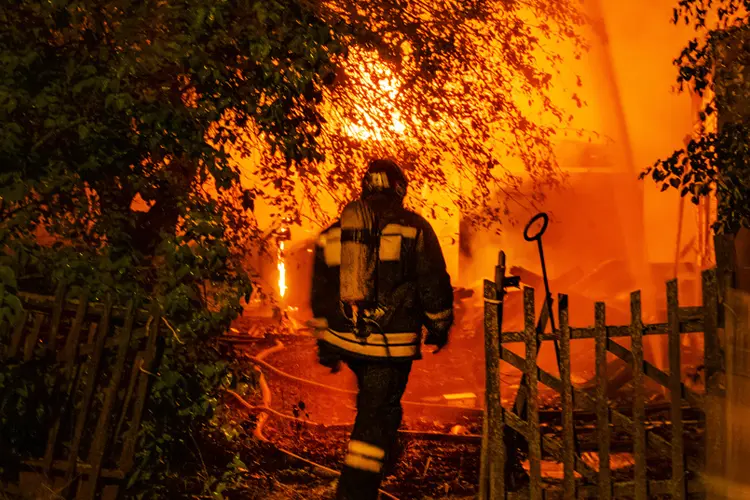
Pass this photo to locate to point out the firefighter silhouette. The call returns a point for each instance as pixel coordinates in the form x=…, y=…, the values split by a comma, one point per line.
x=379, y=279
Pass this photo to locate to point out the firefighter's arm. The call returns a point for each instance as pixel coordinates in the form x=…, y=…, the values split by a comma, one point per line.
x=321, y=303
x=435, y=290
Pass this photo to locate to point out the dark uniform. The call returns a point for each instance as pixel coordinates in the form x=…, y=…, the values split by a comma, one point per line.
x=379, y=277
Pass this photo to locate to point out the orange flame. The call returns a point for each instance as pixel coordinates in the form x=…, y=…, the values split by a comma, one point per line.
x=281, y=266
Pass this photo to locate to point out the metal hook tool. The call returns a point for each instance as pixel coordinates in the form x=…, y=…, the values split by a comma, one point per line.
x=519, y=406
x=512, y=439
x=548, y=295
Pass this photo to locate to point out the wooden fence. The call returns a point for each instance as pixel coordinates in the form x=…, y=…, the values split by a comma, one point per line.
x=102, y=357
x=582, y=478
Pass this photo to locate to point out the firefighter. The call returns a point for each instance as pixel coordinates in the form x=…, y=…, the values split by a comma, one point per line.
x=379, y=278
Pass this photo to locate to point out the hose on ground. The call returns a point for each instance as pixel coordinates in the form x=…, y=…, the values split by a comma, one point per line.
x=267, y=397
x=259, y=361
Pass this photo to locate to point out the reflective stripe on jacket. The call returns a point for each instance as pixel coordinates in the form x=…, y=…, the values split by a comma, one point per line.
x=389, y=345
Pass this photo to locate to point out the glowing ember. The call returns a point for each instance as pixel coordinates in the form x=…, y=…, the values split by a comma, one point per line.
x=281, y=266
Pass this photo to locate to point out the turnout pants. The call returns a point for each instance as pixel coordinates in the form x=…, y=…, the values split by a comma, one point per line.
x=375, y=436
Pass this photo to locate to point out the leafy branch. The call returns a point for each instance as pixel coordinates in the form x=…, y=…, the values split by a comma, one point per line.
x=714, y=66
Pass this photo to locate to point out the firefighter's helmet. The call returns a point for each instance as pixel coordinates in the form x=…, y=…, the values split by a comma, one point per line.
x=384, y=176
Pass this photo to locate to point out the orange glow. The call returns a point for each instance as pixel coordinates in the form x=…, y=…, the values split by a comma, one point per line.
x=281, y=266
x=597, y=216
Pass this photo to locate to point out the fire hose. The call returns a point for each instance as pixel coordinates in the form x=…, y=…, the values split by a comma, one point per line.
x=261, y=362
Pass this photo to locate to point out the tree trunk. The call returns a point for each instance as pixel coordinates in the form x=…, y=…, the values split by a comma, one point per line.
x=742, y=256
x=733, y=104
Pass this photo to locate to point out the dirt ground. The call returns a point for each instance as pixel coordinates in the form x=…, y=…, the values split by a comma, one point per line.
x=427, y=469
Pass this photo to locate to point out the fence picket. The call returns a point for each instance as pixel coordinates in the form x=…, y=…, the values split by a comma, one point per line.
x=73, y=341
x=498, y=468
x=126, y=401
x=15, y=340
x=569, y=485
x=675, y=388
x=534, y=438
x=89, y=387
x=494, y=466
x=602, y=406
x=712, y=352
x=484, y=458
x=57, y=311
x=31, y=340
x=67, y=380
x=127, y=454
x=639, y=398
x=96, y=454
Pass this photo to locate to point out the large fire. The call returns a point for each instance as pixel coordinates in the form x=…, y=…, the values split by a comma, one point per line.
x=378, y=114
x=596, y=216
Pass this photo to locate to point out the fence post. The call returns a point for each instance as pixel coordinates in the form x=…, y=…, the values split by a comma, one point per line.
x=492, y=480
x=602, y=405
x=569, y=480
x=535, y=452
x=679, y=491
x=639, y=397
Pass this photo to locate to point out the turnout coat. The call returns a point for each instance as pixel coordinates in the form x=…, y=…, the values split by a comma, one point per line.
x=379, y=278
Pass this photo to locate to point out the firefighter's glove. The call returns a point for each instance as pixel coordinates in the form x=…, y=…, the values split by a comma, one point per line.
x=438, y=339
x=328, y=356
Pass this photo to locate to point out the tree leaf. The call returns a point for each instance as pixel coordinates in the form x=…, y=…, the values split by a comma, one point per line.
x=8, y=277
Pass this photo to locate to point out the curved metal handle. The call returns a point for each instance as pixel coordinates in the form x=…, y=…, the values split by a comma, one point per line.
x=538, y=235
